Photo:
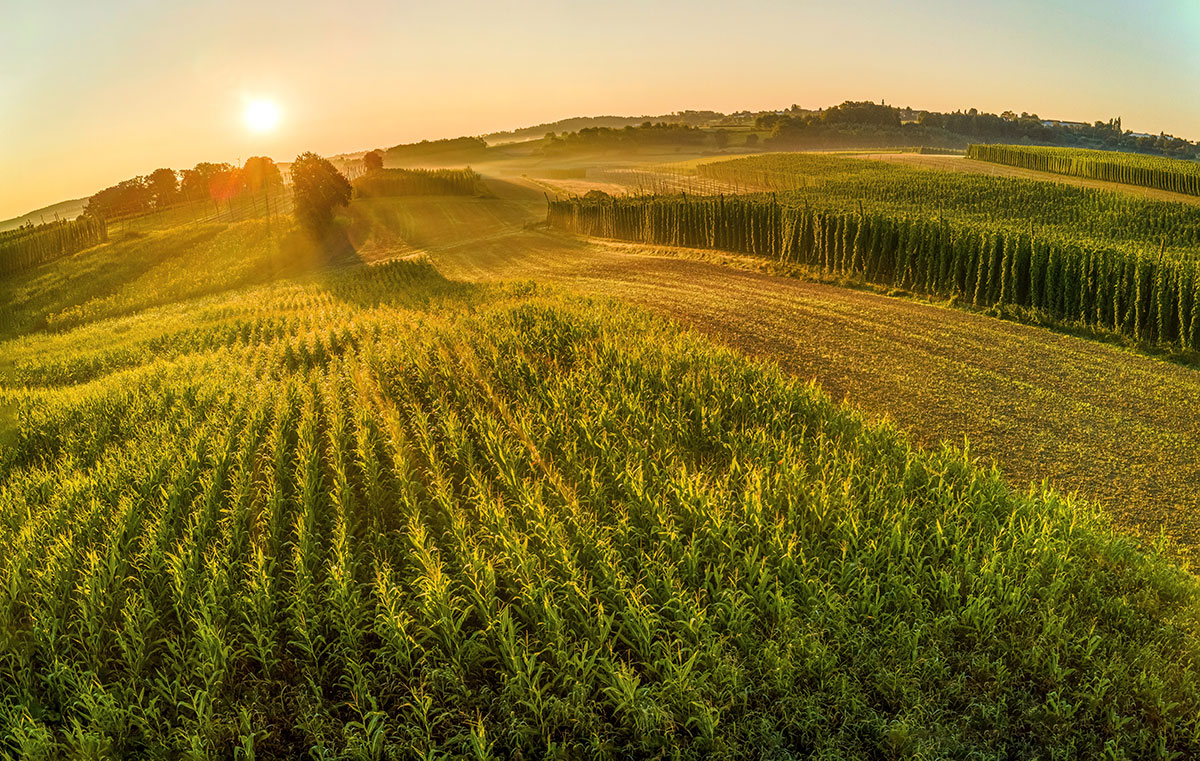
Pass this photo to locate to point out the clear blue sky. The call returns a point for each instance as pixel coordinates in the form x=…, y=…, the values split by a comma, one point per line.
x=94, y=92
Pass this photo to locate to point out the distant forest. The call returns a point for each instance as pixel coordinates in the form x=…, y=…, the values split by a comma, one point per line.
x=897, y=126
x=861, y=124
x=575, y=124
x=449, y=150
x=661, y=134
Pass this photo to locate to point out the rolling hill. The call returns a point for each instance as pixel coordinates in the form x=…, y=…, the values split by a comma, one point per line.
x=61, y=210
x=259, y=503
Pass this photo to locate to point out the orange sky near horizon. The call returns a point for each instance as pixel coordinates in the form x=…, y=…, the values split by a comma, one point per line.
x=92, y=95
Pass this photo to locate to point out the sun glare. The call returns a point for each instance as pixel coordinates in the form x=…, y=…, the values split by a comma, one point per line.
x=261, y=115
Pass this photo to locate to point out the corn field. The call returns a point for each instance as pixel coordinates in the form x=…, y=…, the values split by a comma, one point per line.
x=418, y=182
x=1175, y=175
x=382, y=515
x=27, y=247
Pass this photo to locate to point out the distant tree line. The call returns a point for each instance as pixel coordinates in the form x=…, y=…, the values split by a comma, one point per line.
x=852, y=124
x=656, y=134
x=319, y=189
x=165, y=188
x=866, y=124
x=462, y=149
x=690, y=117
x=889, y=125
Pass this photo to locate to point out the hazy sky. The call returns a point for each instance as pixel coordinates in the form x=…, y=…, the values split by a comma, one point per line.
x=94, y=92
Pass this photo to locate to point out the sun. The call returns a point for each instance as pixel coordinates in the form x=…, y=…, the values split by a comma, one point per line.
x=261, y=115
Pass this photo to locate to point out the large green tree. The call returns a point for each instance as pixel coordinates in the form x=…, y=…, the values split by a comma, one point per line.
x=200, y=183
x=318, y=187
x=260, y=173
x=163, y=185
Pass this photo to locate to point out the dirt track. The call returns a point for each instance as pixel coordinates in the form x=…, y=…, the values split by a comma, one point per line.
x=1117, y=427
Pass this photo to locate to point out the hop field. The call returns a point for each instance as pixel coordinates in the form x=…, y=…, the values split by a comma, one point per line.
x=415, y=182
x=973, y=239
x=1175, y=175
x=1052, y=211
x=375, y=513
x=26, y=247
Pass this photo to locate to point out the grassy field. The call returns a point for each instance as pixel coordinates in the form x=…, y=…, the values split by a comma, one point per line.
x=1094, y=419
x=370, y=511
x=674, y=175
x=140, y=270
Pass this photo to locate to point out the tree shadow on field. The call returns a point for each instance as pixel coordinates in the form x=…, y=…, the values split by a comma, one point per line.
x=303, y=249
x=330, y=259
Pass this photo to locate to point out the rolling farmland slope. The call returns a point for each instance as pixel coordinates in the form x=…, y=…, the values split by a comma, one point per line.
x=254, y=501
x=62, y=210
x=1111, y=424
x=363, y=510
